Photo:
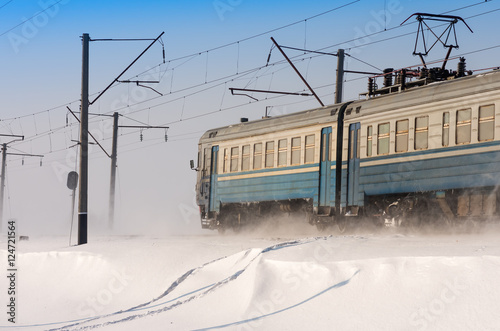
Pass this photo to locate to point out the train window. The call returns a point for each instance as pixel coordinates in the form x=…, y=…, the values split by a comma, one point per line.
x=296, y=149
x=446, y=129
x=369, y=135
x=235, y=157
x=383, y=139
x=422, y=132
x=206, y=162
x=257, y=156
x=282, y=152
x=402, y=136
x=225, y=161
x=463, y=126
x=309, y=155
x=358, y=143
x=270, y=154
x=486, y=122
x=245, y=158
x=323, y=146
x=351, y=147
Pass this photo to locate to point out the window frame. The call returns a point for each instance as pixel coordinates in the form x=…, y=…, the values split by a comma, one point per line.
x=446, y=128
x=245, y=157
x=420, y=130
x=235, y=158
x=257, y=155
x=482, y=121
x=463, y=124
x=402, y=134
x=296, y=149
x=384, y=136
x=309, y=149
x=269, y=154
x=369, y=141
x=282, y=152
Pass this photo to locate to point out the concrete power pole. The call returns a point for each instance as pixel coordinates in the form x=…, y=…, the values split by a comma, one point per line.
x=340, y=76
x=84, y=144
x=112, y=185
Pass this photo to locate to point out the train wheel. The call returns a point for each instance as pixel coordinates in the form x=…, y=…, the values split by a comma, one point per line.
x=321, y=226
x=342, y=224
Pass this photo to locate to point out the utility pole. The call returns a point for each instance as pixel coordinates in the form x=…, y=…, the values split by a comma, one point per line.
x=112, y=185
x=4, y=166
x=84, y=145
x=2, y=184
x=84, y=126
x=340, y=76
x=114, y=155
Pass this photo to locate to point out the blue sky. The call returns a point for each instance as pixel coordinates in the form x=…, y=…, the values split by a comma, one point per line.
x=41, y=66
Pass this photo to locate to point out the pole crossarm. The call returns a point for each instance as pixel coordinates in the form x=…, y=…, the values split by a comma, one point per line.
x=298, y=73
x=309, y=51
x=90, y=134
x=24, y=154
x=143, y=127
x=232, y=89
x=130, y=65
x=12, y=135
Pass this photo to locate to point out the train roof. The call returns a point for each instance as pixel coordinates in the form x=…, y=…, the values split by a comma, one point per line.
x=327, y=114
x=433, y=92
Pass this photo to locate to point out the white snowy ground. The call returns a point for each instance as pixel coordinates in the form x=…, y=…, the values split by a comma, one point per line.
x=312, y=281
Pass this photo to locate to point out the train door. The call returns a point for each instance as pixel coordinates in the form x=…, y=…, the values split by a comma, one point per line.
x=353, y=164
x=325, y=168
x=213, y=179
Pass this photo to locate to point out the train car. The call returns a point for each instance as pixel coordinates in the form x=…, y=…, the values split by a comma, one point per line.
x=406, y=154
x=427, y=154
x=253, y=170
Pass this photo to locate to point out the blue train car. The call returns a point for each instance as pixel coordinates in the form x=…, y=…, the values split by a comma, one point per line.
x=431, y=150
x=256, y=169
x=400, y=156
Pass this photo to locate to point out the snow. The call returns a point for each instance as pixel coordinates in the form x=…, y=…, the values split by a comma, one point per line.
x=359, y=281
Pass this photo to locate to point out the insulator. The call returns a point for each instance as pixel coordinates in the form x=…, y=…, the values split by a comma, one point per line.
x=141, y=136
x=166, y=137
x=40, y=162
x=432, y=74
x=388, y=77
x=424, y=73
x=402, y=78
x=22, y=162
x=461, y=67
x=371, y=86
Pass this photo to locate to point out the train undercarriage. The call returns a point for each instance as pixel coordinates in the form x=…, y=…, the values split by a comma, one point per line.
x=440, y=209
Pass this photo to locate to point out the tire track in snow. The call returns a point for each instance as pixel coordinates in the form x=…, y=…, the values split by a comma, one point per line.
x=206, y=289
x=338, y=285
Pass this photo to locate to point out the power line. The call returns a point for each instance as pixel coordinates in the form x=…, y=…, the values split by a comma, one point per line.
x=26, y=20
x=193, y=55
x=228, y=79
x=5, y=4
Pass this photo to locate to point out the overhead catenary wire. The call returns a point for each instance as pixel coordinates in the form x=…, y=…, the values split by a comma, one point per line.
x=29, y=19
x=5, y=4
x=185, y=96
x=191, y=56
